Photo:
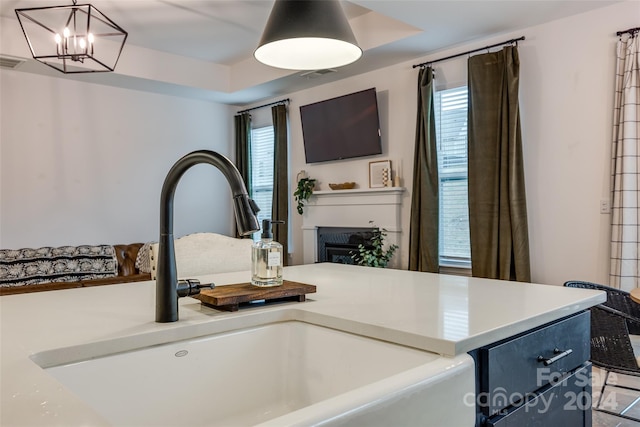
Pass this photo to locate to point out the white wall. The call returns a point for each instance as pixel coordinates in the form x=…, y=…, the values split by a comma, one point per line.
x=566, y=97
x=83, y=163
x=567, y=109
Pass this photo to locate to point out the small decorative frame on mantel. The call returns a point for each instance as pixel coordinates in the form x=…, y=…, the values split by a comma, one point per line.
x=379, y=174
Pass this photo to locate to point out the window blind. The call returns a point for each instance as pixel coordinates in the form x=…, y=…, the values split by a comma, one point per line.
x=262, y=152
x=451, y=134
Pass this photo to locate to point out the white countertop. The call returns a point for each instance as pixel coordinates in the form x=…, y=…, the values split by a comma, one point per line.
x=449, y=315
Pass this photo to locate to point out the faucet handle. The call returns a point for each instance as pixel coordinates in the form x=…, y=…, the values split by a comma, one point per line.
x=189, y=287
x=254, y=206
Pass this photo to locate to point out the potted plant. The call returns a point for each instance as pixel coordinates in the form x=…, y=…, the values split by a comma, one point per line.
x=303, y=192
x=373, y=253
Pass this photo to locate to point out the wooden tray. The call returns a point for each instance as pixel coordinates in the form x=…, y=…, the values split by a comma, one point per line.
x=229, y=297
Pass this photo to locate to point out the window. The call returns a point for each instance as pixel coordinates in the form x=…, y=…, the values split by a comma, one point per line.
x=451, y=135
x=262, y=152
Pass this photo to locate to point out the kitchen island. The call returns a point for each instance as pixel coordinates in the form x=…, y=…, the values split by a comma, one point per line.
x=448, y=316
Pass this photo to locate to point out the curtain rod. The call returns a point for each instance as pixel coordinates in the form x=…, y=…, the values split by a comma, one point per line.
x=632, y=31
x=471, y=51
x=282, y=101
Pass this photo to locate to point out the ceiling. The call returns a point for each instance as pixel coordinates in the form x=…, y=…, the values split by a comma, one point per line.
x=225, y=32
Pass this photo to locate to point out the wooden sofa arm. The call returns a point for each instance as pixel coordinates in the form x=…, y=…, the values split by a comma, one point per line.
x=53, y=286
x=140, y=277
x=56, y=286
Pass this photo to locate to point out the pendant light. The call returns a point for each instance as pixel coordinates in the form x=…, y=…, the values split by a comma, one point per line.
x=72, y=38
x=307, y=35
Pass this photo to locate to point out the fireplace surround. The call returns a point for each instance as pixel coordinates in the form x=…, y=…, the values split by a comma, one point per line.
x=358, y=210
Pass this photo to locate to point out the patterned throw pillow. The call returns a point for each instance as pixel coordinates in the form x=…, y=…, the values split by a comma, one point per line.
x=20, y=267
x=143, y=262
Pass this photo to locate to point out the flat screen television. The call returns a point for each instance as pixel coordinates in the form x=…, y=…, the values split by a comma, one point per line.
x=341, y=128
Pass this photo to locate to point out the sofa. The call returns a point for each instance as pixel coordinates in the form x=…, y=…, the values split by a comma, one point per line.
x=48, y=268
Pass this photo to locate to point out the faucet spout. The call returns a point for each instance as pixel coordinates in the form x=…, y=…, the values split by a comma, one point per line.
x=245, y=213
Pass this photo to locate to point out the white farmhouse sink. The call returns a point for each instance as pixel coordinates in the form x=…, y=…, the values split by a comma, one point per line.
x=276, y=373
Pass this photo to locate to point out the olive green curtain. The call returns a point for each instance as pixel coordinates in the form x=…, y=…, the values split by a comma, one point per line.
x=280, y=205
x=243, y=147
x=423, y=233
x=497, y=200
x=242, y=124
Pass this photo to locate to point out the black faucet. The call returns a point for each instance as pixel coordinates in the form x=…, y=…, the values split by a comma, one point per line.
x=246, y=221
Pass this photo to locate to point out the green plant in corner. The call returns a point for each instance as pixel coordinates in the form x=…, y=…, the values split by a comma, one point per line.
x=304, y=192
x=373, y=254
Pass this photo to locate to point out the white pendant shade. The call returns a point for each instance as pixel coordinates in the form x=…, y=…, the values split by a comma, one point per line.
x=307, y=35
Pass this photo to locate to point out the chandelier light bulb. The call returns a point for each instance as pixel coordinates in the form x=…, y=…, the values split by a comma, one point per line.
x=66, y=33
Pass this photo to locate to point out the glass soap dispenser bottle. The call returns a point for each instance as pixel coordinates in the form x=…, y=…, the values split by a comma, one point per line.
x=266, y=258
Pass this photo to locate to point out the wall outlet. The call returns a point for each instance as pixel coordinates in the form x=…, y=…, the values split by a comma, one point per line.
x=605, y=206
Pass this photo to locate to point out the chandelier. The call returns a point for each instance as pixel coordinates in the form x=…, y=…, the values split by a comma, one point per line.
x=73, y=38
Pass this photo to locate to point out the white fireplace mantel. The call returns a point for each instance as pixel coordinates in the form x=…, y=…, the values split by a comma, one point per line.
x=351, y=208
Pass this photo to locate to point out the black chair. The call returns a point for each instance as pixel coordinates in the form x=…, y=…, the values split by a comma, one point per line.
x=611, y=349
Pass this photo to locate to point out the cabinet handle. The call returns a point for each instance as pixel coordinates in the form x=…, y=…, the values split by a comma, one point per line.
x=559, y=354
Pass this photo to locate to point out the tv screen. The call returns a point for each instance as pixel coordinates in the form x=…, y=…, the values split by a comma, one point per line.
x=341, y=128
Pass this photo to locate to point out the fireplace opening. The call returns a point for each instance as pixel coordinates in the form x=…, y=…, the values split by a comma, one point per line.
x=336, y=244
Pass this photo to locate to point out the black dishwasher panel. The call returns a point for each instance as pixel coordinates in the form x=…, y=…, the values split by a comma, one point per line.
x=526, y=363
x=565, y=404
